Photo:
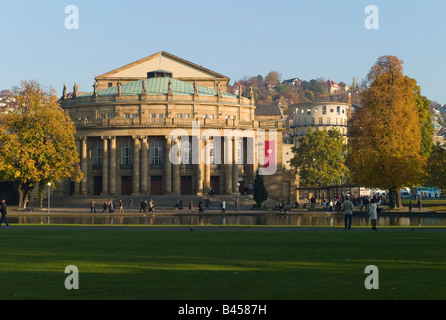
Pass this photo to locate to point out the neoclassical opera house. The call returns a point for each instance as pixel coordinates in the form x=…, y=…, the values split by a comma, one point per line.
x=163, y=125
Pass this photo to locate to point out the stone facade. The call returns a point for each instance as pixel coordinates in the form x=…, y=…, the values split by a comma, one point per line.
x=169, y=134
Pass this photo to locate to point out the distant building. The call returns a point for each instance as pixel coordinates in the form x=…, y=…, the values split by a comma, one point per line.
x=294, y=82
x=334, y=87
x=318, y=116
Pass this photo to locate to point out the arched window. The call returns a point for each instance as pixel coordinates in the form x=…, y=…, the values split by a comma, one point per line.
x=126, y=154
x=156, y=153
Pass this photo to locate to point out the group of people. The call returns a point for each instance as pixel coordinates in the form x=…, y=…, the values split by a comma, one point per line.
x=110, y=206
x=147, y=206
x=363, y=202
x=348, y=207
x=280, y=207
x=205, y=204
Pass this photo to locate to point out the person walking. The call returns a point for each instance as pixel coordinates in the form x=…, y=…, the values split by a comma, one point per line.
x=200, y=207
x=236, y=204
x=373, y=212
x=121, y=206
x=3, y=210
x=348, y=213
x=191, y=206
x=92, y=206
x=104, y=207
x=223, y=206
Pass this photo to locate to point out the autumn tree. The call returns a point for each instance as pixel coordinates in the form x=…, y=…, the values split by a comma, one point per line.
x=320, y=158
x=385, y=133
x=37, y=141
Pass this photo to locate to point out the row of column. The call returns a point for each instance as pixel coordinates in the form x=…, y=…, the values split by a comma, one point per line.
x=172, y=179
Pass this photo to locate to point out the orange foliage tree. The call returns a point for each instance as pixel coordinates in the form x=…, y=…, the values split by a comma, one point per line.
x=385, y=134
x=37, y=142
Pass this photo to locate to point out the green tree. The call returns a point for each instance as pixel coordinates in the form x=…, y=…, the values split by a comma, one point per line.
x=260, y=193
x=37, y=141
x=385, y=133
x=320, y=158
x=426, y=125
x=436, y=167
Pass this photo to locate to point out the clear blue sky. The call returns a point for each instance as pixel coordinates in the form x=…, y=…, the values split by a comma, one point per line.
x=304, y=39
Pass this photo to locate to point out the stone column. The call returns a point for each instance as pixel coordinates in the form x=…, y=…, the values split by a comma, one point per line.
x=235, y=145
x=167, y=167
x=144, y=166
x=77, y=185
x=176, y=170
x=207, y=166
x=136, y=176
x=105, y=166
x=84, y=166
x=228, y=161
x=149, y=178
x=196, y=157
x=112, y=164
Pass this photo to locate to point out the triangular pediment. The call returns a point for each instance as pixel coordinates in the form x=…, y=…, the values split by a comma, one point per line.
x=180, y=68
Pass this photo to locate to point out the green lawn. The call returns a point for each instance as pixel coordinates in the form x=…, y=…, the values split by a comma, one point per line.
x=222, y=263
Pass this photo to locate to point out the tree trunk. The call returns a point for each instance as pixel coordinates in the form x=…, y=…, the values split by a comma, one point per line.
x=394, y=198
x=24, y=193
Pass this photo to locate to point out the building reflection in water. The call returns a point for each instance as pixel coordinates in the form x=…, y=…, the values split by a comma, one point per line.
x=304, y=219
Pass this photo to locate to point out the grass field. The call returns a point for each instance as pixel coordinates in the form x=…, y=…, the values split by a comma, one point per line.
x=220, y=263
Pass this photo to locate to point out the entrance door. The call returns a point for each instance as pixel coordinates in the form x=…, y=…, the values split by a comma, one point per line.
x=126, y=185
x=186, y=185
x=215, y=182
x=241, y=188
x=156, y=185
x=97, y=185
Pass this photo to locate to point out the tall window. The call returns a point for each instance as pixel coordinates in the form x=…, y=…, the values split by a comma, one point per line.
x=186, y=153
x=156, y=153
x=97, y=154
x=239, y=151
x=211, y=152
x=126, y=153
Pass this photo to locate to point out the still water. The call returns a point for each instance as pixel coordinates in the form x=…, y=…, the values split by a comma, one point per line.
x=301, y=219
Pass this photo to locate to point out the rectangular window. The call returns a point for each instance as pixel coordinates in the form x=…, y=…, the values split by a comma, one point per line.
x=161, y=115
x=338, y=110
x=179, y=115
x=110, y=84
x=320, y=121
x=127, y=116
x=134, y=115
x=103, y=116
x=211, y=116
x=186, y=116
x=109, y=115
x=153, y=116
x=126, y=154
x=324, y=110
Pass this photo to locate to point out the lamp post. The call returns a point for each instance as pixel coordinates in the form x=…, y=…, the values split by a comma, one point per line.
x=49, y=194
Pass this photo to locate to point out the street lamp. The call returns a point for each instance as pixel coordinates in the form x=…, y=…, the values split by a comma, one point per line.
x=49, y=193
